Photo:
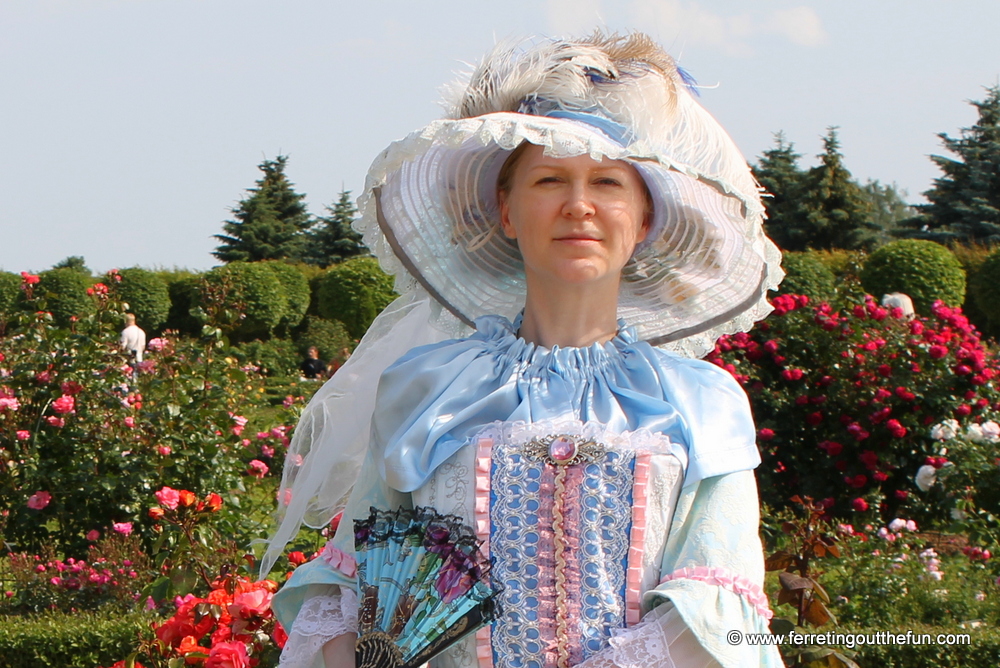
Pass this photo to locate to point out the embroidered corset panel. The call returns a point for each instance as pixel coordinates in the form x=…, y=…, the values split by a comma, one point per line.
x=575, y=518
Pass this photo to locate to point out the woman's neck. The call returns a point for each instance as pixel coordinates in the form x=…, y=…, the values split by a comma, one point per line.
x=572, y=316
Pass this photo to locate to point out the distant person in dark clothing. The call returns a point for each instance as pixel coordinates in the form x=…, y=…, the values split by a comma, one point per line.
x=312, y=367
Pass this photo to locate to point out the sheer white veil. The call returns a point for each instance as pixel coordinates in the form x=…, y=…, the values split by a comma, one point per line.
x=332, y=437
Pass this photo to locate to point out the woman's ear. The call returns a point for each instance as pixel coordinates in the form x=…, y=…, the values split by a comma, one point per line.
x=505, y=225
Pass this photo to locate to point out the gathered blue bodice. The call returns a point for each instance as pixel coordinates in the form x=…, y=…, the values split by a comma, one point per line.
x=436, y=397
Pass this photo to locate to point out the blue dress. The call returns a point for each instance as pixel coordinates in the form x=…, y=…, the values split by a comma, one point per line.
x=642, y=550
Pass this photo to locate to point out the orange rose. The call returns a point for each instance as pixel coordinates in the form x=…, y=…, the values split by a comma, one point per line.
x=156, y=512
x=213, y=502
x=187, y=498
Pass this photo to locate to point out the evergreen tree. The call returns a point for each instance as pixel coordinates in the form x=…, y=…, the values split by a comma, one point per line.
x=965, y=201
x=835, y=212
x=889, y=208
x=74, y=262
x=270, y=223
x=780, y=176
x=332, y=239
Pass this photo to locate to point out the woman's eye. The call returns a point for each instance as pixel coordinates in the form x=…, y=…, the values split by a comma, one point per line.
x=548, y=179
x=608, y=181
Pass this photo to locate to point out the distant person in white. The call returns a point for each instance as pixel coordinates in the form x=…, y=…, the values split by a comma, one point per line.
x=133, y=338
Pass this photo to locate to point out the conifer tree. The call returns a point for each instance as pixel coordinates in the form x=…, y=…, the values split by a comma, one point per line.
x=270, y=223
x=780, y=176
x=965, y=201
x=332, y=239
x=835, y=212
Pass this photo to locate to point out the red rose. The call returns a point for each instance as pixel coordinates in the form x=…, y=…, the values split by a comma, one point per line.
x=832, y=448
x=765, y=434
x=859, y=505
x=792, y=374
x=228, y=655
x=297, y=558
x=857, y=482
x=937, y=352
x=814, y=419
x=279, y=636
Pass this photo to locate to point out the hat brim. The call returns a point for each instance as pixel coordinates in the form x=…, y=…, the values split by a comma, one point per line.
x=432, y=200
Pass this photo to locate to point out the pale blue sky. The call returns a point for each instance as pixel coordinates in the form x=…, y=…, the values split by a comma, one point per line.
x=128, y=128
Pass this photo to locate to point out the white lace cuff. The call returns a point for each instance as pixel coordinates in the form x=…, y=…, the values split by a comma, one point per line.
x=321, y=618
x=660, y=640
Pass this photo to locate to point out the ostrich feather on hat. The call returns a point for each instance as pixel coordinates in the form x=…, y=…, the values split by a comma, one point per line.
x=627, y=79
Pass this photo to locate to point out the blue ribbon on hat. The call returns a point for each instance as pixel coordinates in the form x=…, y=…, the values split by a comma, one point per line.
x=615, y=131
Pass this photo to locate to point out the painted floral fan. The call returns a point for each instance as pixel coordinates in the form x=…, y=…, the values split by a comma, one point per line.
x=423, y=584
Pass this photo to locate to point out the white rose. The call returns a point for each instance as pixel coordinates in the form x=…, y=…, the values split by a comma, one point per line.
x=945, y=431
x=926, y=475
x=897, y=525
x=992, y=431
x=975, y=434
x=958, y=514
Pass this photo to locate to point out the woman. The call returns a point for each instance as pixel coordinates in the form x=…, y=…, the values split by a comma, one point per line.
x=609, y=479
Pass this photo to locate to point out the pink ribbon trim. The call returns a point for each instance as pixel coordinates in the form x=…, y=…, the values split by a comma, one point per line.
x=339, y=560
x=637, y=541
x=484, y=453
x=726, y=579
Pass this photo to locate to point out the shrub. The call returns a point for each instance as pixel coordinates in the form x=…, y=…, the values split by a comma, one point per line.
x=986, y=288
x=10, y=295
x=354, y=292
x=924, y=270
x=845, y=400
x=806, y=275
x=69, y=640
x=330, y=336
x=274, y=357
x=65, y=294
x=244, y=299
x=843, y=263
x=147, y=297
x=297, y=293
x=184, y=293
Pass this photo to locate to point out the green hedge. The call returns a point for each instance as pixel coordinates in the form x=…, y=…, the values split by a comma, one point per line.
x=244, y=298
x=147, y=297
x=986, y=289
x=354, y=292
x=69, y=640
x=924, y=270
x=65, y=294
x=330, y=336
x=807, y=275
x=297, y=293
x=10, y=294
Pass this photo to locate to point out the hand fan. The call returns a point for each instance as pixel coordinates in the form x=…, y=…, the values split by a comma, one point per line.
x=423, y=585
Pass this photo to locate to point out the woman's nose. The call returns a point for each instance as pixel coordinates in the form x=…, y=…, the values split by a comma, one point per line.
x=579, y=201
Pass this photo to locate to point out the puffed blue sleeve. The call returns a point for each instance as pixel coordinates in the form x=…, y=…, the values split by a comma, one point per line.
x=721, y=436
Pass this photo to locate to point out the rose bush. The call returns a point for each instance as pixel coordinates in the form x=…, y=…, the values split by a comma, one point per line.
x=845, y=400
x=84, y=438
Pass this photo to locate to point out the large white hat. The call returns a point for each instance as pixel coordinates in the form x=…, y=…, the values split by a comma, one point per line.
x=430, y=211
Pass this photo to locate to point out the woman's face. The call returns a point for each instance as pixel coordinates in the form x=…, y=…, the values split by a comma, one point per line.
x=576, y=220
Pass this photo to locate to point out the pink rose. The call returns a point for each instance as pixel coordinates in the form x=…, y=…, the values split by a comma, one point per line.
x=339, y=559
x=129, y=422
x=64, y=404
x=168, y=497
x=93, y=535
x=124, y=528
x=228, y=655
x=267, y=450
x=23, y=435
x=9, y=403
x=164, y=450
x=39, y=500
x=258, y=469
x=250, y=604
x=157, y=344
